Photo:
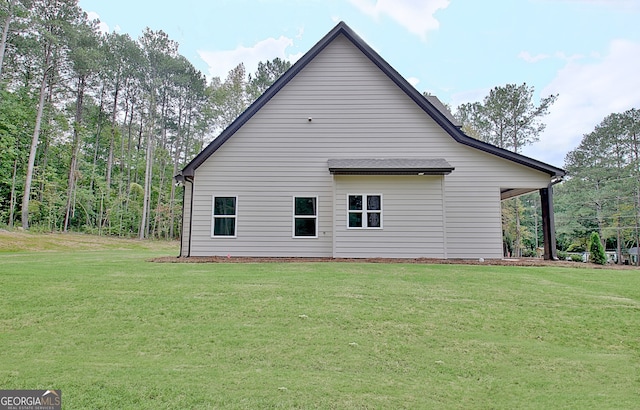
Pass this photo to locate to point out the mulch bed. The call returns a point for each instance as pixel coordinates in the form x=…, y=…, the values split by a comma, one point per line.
x=490, y=262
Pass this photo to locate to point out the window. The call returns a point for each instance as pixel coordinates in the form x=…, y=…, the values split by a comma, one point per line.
x=305, y=217
x=224, y=216
x=365, y=211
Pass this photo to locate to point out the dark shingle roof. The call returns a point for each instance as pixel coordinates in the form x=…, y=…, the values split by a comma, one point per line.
x=389, y=166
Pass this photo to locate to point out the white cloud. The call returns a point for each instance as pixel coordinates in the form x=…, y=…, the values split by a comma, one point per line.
x=529, y=58
x=569, y=58
x=588, y=92
x=417, y=16
x=221, y=62
x=102, y=26
x=468, y=96
x=526, y=56
x=413, y=81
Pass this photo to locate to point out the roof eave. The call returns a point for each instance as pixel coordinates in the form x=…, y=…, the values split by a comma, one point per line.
x=388, y=171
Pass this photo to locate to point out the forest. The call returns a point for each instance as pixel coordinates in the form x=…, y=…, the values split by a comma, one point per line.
x=93, y=127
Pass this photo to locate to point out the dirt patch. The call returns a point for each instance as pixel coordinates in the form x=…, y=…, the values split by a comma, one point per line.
x=489, y=262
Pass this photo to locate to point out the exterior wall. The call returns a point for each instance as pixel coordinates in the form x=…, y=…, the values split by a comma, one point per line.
x=412, y=217
x=356, y=111
x=474, y=219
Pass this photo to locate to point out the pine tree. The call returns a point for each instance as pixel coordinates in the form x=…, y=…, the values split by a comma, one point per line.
x=596, y=250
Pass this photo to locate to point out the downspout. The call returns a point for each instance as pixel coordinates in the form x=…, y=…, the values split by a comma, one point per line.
x=184, y=188
x=445, y=248
x=190, y=180
x=334, y=226
x=180, y=179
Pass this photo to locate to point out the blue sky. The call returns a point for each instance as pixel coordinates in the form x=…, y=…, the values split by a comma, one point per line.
x=587, y=51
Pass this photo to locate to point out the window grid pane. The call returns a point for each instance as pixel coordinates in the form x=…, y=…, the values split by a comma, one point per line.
x=305, y=217
x=305, y=206
x=305, y=227
x=224, y=206
x=224, y=227
x=355, y=219
x=373, y=202
x=373, y=220
x=364, y=211
x=355, y=202
x=224, y=216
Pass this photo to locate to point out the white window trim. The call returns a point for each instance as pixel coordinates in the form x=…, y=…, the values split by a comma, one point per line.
x=213, y=217
x=365, y=212
x=293, y=219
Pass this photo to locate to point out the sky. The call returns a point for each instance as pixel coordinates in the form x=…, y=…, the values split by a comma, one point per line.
x=585, y=51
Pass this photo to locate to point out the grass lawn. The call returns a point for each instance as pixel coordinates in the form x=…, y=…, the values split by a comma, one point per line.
x=112, y=330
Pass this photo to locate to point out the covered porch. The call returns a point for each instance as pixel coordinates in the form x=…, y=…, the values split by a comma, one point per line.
x=547, y=213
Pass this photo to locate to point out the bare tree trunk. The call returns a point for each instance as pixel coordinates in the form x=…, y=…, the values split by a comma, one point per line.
x=96, y=146
x=46, y=145
x=112, y=139
x=75, y=152
x=34, y=141
x=146, y=202
x=176, y=160
x=5, y=32
x=12, y=198
x=129, y=157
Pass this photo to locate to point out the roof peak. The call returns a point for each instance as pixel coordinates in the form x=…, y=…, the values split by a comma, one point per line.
x=444, y=120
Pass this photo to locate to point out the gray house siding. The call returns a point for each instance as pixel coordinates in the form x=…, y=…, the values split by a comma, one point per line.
x=341, y=105
x=412, y=217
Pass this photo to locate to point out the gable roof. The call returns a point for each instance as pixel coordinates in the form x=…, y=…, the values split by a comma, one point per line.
x=436, y=112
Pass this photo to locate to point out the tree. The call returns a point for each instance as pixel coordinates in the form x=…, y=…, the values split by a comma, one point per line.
x=9, y=10
x=601, y=191
x=158, y=49
x=84, y=57
x=51, y=19
x=93, y=127
x=507, y=118
x=16, y=114
x=266, y=74
x=596, y=250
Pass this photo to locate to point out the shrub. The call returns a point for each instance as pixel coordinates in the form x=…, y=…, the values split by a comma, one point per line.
x=576, y=258
x=597, y=250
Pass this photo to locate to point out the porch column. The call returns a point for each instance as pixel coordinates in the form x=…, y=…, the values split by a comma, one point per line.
x=548, y=223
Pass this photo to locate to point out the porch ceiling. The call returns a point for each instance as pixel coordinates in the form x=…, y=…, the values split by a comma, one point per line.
x=506, y=193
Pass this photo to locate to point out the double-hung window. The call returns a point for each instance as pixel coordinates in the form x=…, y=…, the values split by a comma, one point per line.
x=225, y=213
x=365, y=211
x=305, y=217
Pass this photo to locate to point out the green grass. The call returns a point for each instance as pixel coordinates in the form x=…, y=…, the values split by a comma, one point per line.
x=112, y=330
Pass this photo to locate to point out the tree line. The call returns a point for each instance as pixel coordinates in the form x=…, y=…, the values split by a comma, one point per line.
x=602, y=191
x=600, y=195
x=93, y=125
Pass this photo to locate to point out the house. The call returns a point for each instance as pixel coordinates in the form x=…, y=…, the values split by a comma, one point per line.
x=630, y=257
x=342, y=157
